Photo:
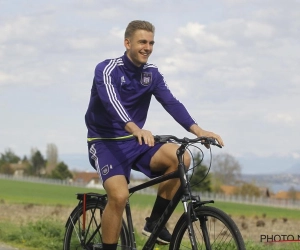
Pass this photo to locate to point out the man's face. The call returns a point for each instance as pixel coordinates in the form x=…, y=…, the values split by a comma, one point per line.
x=139, y=47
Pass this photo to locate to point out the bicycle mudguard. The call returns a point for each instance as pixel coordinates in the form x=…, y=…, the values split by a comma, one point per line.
x=197, y=204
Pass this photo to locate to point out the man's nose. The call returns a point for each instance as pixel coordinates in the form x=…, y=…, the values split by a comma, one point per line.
x=148, y=46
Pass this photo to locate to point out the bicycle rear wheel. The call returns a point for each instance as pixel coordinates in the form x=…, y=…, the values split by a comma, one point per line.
x=214, y=230
x=91, y=238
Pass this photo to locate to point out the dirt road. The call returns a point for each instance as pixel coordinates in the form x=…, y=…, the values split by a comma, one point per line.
x=6, y=247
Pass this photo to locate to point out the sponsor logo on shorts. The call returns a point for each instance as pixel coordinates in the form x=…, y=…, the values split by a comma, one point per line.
x=105, y=169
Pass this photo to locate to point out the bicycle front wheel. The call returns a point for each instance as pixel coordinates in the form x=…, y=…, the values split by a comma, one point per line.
x=213, y=229
x=89, y=236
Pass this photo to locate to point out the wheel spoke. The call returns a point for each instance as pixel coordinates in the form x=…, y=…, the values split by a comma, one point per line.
x=214, y=230
x=91, y=238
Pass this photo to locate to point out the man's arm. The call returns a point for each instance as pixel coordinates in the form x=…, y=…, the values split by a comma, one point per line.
x=178, y=111
x=108, y=93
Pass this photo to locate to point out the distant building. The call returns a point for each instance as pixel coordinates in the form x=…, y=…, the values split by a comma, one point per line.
x=287, y=195
x=228, y=190
x=18, y=168
x=92, y=180
x=89, y=179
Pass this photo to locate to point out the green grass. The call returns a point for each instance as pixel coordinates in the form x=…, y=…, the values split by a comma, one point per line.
x=20, y=192
x=44, y=234
x=276, y=246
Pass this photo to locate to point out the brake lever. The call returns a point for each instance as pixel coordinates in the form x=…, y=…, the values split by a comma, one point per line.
x=213, y=142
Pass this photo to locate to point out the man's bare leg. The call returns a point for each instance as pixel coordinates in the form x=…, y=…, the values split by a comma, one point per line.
x=117, y=191
x=165, y=159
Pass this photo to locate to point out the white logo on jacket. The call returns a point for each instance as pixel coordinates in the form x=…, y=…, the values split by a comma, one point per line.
x=122, y=79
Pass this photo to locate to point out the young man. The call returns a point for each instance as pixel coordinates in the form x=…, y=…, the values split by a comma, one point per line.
x=120, y=98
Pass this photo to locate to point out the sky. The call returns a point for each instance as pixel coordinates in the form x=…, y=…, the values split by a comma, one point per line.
x=234, y=64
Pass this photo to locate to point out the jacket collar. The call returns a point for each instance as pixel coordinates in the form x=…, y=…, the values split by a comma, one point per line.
x=130, y=66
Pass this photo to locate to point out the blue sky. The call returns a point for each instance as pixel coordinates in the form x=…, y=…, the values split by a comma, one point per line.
x=233, y=63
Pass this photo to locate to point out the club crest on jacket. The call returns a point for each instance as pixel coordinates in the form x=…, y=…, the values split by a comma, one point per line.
x=146, y=78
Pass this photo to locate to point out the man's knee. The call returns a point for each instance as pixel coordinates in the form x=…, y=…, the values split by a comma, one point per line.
x=117, y=191
x=187, y=160
x=118, y=199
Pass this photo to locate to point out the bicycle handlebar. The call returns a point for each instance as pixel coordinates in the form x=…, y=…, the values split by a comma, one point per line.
x=185, y=140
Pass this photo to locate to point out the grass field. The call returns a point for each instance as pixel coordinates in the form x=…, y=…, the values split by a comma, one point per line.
x=29, y=231
x=19, y=192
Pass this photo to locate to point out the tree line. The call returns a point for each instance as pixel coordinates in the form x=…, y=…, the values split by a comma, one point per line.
x=225, y=171
x=36, y=164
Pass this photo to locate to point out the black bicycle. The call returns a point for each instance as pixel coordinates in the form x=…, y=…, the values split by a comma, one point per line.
x=201, y=226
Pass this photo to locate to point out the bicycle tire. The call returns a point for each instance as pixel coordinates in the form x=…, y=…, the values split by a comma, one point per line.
x=93, y=237
x=222, y=232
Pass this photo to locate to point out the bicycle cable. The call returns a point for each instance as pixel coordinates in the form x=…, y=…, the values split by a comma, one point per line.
x=199, y=163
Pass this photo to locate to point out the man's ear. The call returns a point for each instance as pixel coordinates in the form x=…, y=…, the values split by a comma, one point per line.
x=127, y=43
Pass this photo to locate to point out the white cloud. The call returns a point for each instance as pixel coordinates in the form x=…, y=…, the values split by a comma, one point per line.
x=98, y=11
x=280, y=118
x=26, y=28
x=232, y=77
x=296, y=155
x=202, y=37
x=258, y=30
x=117, y=33
x=6, y=78
x=84, y=43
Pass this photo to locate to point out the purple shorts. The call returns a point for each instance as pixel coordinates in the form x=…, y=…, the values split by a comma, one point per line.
x=111, y=158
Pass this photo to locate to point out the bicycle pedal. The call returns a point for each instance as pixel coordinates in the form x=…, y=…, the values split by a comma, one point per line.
x=97, y=246
x=161, y=243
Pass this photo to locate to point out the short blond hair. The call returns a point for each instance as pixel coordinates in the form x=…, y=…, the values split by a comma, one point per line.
x=138, y=25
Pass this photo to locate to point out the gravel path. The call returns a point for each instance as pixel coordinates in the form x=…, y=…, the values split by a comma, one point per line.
x=6, y=247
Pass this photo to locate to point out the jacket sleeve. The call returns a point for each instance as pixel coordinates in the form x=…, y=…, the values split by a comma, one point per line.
x=173, y=106
x=108, y=93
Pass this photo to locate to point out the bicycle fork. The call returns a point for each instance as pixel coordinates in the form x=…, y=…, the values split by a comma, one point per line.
x=190, y=218
x=204, y=230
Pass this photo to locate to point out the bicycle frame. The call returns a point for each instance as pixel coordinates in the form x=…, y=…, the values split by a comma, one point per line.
x=165, y=216
x=183, y=193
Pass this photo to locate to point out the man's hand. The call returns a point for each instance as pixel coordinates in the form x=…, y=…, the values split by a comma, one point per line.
x=144, y=135
x=196, y=130
x=140, y=134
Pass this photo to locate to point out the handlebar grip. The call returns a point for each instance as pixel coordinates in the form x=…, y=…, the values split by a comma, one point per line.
x=163, y=138
x=214, y=142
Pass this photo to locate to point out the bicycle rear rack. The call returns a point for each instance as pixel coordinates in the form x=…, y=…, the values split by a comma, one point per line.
x=80, y=196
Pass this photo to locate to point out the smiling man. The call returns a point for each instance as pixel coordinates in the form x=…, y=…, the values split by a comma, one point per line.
x=119, y=102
